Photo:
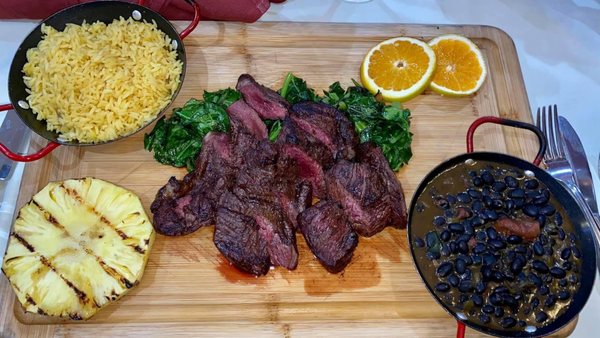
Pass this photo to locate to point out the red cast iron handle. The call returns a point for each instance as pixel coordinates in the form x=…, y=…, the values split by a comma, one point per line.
x=194, y=22
x=25, y=158
x=510, y=123
x=460, y=328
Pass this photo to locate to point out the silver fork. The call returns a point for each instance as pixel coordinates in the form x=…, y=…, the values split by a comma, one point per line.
x=559, y=167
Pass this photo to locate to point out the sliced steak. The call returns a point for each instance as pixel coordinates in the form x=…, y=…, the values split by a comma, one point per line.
x=321, y=131
x=368, y=191
x=182, y=207
x=328, y=234
x=242, y=116
x=237, y=236
x=308, y=169
x=265, y=101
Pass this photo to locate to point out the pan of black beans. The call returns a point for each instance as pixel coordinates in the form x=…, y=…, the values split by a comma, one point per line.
x=500, y=244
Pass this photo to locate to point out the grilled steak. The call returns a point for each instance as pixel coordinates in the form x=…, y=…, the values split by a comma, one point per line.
x=328, y=234
x=237, y=236
x=370, y=194
x=182, y=207
x=265, y=101
x=308, y=169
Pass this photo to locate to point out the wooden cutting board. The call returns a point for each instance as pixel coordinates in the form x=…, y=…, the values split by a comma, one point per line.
x=189, y=288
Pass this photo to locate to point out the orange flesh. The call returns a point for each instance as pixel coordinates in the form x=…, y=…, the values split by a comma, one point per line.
x=398, y=66
x=457, y=66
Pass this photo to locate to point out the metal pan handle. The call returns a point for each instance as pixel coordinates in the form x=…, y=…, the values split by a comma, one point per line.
x=25, y=158
x=192, y=24
x=510, y=123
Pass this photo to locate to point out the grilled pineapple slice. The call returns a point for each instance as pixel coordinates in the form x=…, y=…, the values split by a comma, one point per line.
x=77, y=246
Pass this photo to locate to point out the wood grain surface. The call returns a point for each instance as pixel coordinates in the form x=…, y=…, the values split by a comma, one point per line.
x=189, y=288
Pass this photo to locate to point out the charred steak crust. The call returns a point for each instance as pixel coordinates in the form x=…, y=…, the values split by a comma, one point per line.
x=328, y=233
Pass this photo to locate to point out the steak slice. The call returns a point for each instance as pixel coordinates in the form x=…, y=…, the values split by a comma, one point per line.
x=265, y=101
x=308, y=169
x=237, y=236
x=242, y=116
x=328, y=234
x=368, y=191
x=182, y=207
x=321, y=131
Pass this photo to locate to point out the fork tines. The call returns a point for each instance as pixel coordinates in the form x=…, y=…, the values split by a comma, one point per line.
x=548, y=123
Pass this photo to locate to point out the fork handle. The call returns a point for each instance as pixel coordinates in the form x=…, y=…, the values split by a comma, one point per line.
x=510, y=123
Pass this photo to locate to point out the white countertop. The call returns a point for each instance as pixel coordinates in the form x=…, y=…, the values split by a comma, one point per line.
x=558, y=43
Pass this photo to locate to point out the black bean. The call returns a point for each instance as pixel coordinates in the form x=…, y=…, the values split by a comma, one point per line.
x=547, y=210
x=499, y=186
x=477, y=300
x=522, y=323
x=449, y=213
x=514, y=239
x=517, y=265
x=561, y=234
x=563, y=282
x=463, y=247
x=542, y=220
x=467, y=275
x=472, y=173
x=442, y=287
x=460, y=266
x=519, y=203
x=508, y=322
x=550, y=301
x=487, y=177
x=444, y=269
x=491, y=233
x=531, y=210
x=573, y=279
x=510, y=205
x=567, y=266
x=516, y=193
x=530, y=195
x=480, y=287
x=463, y=298
x=543, y=290
x=432, y=255
x=479, y=248
x=497, y=204
x=480, y=235
x=465, y=285
x=487, y=308
x=557, y=272
x=491, y=215
x=499, y=312
x=451, y=199
x=477, y=206
x=477, y=181
x=511, y=182
x=453, y=280
x=445, y=250
x=486, y=272
x=499, y=276
x=476, y=194
x=463, y=197
x=576, y=252
x=432, y=240
x=495, y=299
x=456, y=228
x=477, y=221
x=438, y=221
x=489, y=259
x=541, y=317
x=547, y=279
x=535, y=302
x=467, y=259
x=500, y=289
x=469, y=230
x=558, y=219
x=521, y=249
x=419, y=242
x=509, y=300
x=537, y=281
x=445, y=236
x=484, y=318
x=538, y=248
x=497, y=244
x=487, y=201
x=441, y=202
x=453, y=247
x=531, y=184
x=476, y=259
x=539, y=266
x=541, y=200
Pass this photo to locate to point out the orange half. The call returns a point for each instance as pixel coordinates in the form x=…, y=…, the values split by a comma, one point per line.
x=460, y=68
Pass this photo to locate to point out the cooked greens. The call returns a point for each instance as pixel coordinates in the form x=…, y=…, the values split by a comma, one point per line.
x=177, y=140
x=296, y=90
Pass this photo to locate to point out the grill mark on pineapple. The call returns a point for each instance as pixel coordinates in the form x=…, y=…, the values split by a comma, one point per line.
x=73, y=193
x=24, y=242
x=115, y=274
x=82, y=296
x=48, y=216
x=30, y=300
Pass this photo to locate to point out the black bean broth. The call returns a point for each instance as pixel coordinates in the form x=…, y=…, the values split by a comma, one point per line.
x=499, y=278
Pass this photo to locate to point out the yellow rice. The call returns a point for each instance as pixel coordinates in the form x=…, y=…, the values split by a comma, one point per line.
x=96, y=82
